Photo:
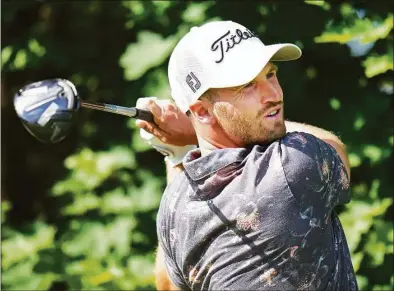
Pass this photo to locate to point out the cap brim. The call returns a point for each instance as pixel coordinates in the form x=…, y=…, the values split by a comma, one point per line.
x=284, y=52
x=244, y=69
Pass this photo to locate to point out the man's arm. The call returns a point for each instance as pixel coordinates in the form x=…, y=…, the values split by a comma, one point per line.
x=171, y=127
x=162, y=280
x=324, y=135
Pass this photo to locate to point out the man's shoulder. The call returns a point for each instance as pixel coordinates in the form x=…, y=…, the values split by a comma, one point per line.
x=298, y=137
x=299, y=141
x=178, y=180
x=302, y=142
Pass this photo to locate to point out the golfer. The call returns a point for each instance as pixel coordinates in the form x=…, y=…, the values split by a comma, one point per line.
x=252, y=207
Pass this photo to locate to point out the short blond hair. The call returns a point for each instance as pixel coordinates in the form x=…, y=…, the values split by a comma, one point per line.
x=210, y=95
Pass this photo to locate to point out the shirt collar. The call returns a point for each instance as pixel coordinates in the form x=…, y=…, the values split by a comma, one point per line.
x=198, y=167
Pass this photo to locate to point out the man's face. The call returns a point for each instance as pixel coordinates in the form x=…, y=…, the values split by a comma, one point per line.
x=252, y=113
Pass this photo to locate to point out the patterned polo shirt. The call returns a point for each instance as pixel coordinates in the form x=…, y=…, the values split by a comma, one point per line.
x=258, y=218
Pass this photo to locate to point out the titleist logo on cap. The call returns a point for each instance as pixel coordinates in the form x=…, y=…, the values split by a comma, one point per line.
x=231, y=41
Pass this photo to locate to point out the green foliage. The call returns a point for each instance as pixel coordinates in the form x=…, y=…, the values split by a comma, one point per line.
x=94, y=248
x=365, y=213
x=134, y=61
x=21, y=252
x=81, y=215
x=364, y=30
x=375, y=65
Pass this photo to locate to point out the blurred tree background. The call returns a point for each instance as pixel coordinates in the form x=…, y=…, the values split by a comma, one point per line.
x=81, y=214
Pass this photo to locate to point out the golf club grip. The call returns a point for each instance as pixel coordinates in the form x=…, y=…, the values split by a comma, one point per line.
x=121, y=110
x=144, y=115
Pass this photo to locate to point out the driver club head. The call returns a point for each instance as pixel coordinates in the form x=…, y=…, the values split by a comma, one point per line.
x=48, y=109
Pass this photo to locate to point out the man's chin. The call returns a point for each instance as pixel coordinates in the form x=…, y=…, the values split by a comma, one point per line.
x=269, y=137
x=278, y=133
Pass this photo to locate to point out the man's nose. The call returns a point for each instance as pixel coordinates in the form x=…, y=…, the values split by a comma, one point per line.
x=270, y=92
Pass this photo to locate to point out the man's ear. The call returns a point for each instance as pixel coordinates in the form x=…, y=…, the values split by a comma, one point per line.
x=201, y=112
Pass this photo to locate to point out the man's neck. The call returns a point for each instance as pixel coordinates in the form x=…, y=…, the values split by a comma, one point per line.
x=205, y=146
x=210, y=139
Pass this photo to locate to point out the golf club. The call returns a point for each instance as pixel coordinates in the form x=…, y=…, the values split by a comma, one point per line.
x=49, y=108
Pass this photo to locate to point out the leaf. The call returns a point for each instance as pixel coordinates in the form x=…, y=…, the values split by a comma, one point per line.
x=382, y=287
x=137, y=143
x=117, y=157
x=195, y=12
x=103, y=277
x=360, y=190
x=362, y=282
x=50, y=260
x=150, y=50
x=35, y=282
x=36, y=48
x=365, y=213
x=377, y=30
x=5, y=55
x=342, y=37
x=69, y=185
x=142, y=268
x=356, y=260
x=23, y=246
x=119, y=233
x=323, y=4
x=5, y=207
x=359, y=122
x=375, y=65
x=335, y=103
x=375, y=249
x=89, y=240
x=136, y=9
x=83, y=267
x=315, y=2
x=82, y=204
x=158, y=85
x=90, y=169
x=116, y=202
x=373, y=152
x=373, y=192
x=365, y=30
x=17, y=272
x=354, y=160
x=346, y=9
x=381, y=238
x=161, y=7
x=148, y=196
x=20, y=60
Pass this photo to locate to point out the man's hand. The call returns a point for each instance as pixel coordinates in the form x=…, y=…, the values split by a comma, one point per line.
x=172, y=126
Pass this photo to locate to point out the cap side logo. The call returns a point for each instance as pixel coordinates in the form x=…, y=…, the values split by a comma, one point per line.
x=193, y=82
x=231, y=41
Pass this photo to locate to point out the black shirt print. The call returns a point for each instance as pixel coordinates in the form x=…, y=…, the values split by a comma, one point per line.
x=261, y=218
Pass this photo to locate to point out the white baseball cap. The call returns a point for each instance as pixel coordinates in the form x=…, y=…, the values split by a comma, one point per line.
x=219, y=54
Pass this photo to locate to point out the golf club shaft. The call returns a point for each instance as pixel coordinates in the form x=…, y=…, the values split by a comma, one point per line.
x=127, y=111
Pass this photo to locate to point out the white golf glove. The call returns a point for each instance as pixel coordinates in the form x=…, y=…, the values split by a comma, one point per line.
x=173, y=154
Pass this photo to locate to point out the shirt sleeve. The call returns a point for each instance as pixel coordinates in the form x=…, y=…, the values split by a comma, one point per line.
x=315, y=173
x=164, y=233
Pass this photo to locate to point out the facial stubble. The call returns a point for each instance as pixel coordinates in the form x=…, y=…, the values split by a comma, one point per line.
x=249, y=129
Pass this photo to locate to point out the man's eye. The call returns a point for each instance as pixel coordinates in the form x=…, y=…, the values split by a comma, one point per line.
x=249, y=85
x=271, y=74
